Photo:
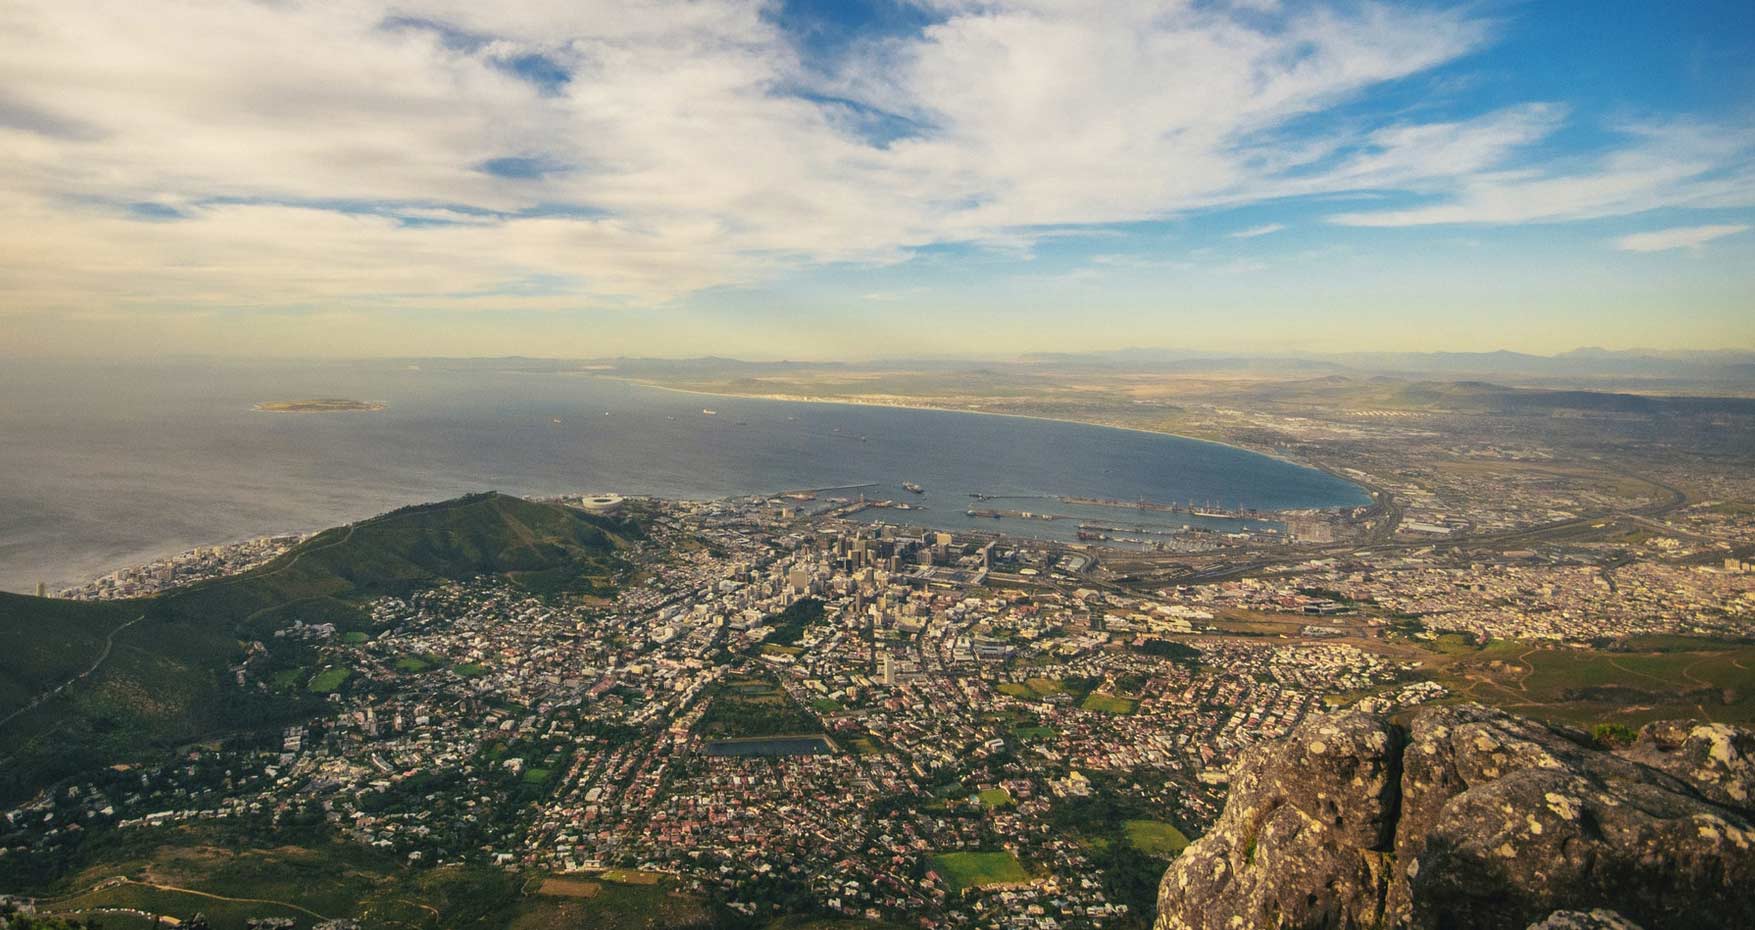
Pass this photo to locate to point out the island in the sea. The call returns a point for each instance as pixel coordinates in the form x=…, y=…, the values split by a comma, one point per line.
x=319, y=405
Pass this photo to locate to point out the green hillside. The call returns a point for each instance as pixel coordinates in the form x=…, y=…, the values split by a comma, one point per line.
x=49, y=642
x=164, y=678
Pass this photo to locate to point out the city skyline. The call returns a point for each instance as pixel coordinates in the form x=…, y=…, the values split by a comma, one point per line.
x=856, y=180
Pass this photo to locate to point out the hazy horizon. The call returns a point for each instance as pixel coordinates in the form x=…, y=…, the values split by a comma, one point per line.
x=892, y=177
x=1118, y=355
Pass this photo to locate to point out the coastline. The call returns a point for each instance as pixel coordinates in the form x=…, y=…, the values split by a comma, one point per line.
x=1274, y=454
x=75, y=568
x=320, y=406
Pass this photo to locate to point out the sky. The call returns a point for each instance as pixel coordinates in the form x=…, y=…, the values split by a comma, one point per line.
x=817, y=179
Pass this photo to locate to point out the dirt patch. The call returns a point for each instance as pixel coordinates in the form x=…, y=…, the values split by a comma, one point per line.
x=569, y=888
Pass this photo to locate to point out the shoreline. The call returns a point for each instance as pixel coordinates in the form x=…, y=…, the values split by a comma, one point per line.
x=107, y=566
x=320, y=405
x=797, y=399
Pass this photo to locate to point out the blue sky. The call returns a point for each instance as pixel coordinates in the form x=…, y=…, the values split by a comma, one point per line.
x=844, y=179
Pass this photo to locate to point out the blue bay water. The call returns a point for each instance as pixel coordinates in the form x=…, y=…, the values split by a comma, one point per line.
x=103, y=466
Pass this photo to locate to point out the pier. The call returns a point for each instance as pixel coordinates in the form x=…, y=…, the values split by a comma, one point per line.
x=1199, y=510
x=1014, y=514
x=806, y=494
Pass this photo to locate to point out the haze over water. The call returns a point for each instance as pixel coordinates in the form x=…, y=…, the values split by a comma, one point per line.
x=104, y=466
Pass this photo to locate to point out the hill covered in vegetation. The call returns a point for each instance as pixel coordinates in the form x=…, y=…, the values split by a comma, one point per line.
x=92, y=683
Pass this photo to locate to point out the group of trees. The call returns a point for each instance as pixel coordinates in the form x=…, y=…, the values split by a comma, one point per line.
x=734, y=716
x=1171, y=649
x=789, y=624
x=1129, y=874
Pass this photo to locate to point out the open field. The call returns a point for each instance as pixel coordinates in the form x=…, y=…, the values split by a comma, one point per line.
x=1108, y=703
x=1156, y=838
x=1032, y=689
x=631, y=877
x=654, y=906
x=172, y=902
x=185, y=871
x=994, y=798
x=328, y=680
x=974, y=869
x=569, y=888
x=1583, y=686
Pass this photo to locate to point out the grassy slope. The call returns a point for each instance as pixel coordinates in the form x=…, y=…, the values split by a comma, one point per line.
x=175, y=871
x=159, y=684
x=1646, y=679
x=45, y=642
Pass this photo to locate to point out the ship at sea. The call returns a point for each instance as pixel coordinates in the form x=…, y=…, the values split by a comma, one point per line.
x=913, y=488
x=711, y=413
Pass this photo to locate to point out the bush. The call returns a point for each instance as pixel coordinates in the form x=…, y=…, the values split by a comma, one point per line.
x=1613, y=735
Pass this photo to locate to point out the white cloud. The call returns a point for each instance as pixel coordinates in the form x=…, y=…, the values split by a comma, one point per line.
x=1682, y=237
x=332, y=153
x=1675, y=165
x=1266, y=229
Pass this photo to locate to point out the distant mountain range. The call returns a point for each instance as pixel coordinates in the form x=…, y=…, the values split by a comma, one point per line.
x=1724, y=364
x=1696, y=365
x=1586, y=361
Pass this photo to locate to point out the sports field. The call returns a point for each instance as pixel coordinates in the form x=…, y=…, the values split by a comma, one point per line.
x=974, y=869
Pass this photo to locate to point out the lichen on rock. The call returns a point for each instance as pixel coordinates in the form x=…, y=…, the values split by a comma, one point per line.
x=1470, y=817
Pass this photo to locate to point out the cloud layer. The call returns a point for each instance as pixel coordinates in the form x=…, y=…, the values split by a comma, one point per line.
x=1684, y=237
x=559, y=153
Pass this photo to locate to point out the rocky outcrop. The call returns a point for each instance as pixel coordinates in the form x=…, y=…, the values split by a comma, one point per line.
x=1598, y=919
x=1466, y=817
x=1717, y=759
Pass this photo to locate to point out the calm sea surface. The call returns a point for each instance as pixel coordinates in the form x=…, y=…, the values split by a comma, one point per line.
x=114, y=465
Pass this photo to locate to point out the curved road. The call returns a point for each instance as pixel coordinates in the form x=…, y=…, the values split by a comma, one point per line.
x=177, y=889
x=110, y=640
x=109, y=644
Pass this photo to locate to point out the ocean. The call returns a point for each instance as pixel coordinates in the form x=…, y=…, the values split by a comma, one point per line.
x=108, y=465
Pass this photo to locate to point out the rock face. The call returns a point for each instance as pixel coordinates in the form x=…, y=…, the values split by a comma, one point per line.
x=1470, y=818
x=1718, y=759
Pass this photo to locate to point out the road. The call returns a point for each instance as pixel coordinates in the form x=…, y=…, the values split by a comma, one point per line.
x=117, y=880
x=110, y=640
x=109, y=646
